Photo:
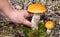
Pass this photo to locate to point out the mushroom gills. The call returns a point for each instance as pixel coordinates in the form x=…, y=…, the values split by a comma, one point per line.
x=35, y=20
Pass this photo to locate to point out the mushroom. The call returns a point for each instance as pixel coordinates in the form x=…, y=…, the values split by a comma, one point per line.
x=49, y=25
x=36, y=9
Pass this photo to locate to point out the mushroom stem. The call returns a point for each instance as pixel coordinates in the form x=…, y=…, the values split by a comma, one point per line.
x=48, y=31
x=35, y=20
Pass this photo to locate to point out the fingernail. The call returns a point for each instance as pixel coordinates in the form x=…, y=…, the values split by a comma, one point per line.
x=32, y=25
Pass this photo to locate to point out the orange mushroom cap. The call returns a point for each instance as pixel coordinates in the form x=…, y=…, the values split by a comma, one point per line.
x=36, y=8
x=50, y=25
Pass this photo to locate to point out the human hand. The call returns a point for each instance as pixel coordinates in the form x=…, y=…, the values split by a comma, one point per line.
x=19, y=16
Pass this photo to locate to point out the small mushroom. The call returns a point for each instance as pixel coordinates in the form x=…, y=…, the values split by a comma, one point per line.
x=49, y=25
x=36, y=9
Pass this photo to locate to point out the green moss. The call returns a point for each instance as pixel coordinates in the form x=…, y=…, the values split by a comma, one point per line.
x=41, y=32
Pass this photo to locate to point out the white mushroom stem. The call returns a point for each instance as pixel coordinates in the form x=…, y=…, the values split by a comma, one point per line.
x=48, y=31
x=35, y=20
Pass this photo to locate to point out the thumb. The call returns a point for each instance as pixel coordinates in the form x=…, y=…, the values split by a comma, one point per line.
x=28, y=23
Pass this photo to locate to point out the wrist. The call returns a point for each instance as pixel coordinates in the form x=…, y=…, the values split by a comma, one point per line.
x=7, y=10
x=5, y=6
